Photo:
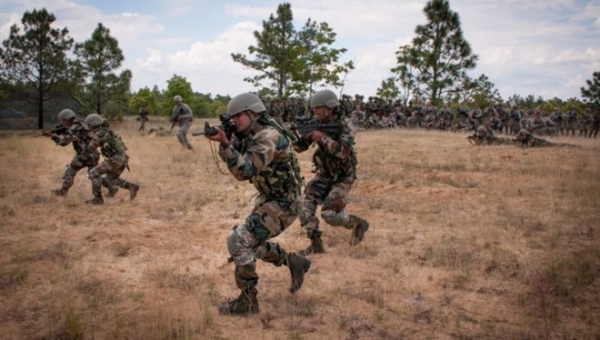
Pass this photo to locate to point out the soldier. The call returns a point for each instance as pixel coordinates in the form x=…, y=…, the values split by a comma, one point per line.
x=335, y=163
x=446, y=116
x=527, y=140
x=74, y=133
x=570, y=121
x=260, y=151
x=115, y=158
x=183, y=118
x=595, y=126
x=143, y=118
x=585, y=123
x=483, y=136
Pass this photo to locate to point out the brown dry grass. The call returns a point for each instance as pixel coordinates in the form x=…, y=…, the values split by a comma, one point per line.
x=466, y=243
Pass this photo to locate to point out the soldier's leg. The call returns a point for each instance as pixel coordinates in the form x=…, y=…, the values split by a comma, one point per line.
x=95, y=176
x=69, y=177
x=182, y=136
x=334, y=213
x=315, y=192
x=114, y=177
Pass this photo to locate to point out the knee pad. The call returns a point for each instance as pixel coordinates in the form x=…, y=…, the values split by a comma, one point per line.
x=336, y=219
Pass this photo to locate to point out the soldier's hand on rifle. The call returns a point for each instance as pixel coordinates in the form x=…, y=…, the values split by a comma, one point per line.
x=47, y=134
x=315, y=136
x=220, y=137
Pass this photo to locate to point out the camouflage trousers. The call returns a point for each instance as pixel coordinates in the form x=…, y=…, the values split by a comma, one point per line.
x=182, y=134
x=77, y=163
x=333, y=196
x=248, y=242
x=112, y=167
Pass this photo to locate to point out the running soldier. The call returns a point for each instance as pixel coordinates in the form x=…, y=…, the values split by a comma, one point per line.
x=182, y=117
x=115, y=160
x=260, y=151
x=335, y=162
x=72, y=131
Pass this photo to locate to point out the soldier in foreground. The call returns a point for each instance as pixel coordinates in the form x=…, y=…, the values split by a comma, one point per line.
x=115, y=158
x=260, y=151
x=335, y=162
x=527, y=140
x=72, y=131
x=484, y=136
x=183, y=118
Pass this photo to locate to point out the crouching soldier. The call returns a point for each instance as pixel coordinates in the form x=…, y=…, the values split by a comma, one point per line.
x=115, y=158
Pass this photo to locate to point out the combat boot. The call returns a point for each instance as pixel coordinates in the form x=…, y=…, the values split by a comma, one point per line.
x=97, y=200
x=112, y=191
x=359, y=228
x=60, y=192
x=245, y=304
x=316, y=244
x=299, y=265
x=133, y=189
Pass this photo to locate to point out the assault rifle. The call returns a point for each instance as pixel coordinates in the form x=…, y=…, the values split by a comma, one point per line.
x=175, y=119
x=58, y=129
x=226, y=125
x=305, y=125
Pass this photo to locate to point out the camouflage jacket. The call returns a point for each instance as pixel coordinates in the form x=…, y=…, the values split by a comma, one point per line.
x=182, y=114
x=77, y=135
x=533, y=142
x=110, y=144
x=335, y=158
x=264, y=156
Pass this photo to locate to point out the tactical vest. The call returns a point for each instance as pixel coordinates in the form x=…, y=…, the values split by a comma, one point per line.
x=280, y=179
x=113, y=146
x=332, y=167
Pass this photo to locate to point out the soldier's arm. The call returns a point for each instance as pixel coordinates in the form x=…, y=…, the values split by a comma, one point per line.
x=260, y=153
x=342, y=147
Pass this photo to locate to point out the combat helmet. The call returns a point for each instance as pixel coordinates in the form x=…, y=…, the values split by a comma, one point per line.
x=324, y=98
x=245, y=102
x=93, y=120
x=177, y=98
x=482, y=130
x=66, y=114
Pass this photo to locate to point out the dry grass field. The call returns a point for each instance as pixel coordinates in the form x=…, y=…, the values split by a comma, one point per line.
x=466, y=242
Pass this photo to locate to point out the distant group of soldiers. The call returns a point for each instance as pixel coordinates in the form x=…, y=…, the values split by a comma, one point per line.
x=376, y=113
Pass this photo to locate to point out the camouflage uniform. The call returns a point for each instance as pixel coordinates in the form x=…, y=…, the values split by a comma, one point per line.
x=76, y=134
x=263, y=155
x=335, y=167
x=527, y=140
x=143, y=118
x=183, y=117
x=595, y=125
x=483, y=136
x=115, y=161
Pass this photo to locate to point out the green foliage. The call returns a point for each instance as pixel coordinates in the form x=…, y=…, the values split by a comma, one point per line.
x=178, y=85
x=388, y=89
x=293, y=62
x=97, y=58
x=439, y=56
x=34, y=62
x=591, y=94
x=144, y=96
x=480, y=91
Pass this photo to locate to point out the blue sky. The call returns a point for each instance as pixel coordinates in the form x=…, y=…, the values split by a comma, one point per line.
x=545, y=48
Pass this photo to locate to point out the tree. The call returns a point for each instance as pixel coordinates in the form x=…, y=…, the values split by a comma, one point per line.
x=439, y=56
x=144, y=96
x=292, y=61
x=34, y=62
x=388, y=90
x=318, y=62
x=480, y=91
x=178, y=85
x=592, y=92
x=98, y=57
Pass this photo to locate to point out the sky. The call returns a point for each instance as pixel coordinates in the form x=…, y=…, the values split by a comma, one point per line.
x=546, y=48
